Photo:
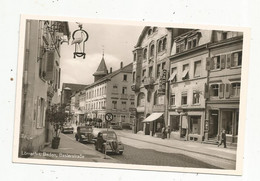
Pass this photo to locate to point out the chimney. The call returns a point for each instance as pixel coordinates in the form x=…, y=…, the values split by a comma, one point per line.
x=121, y=64
x=110, y=69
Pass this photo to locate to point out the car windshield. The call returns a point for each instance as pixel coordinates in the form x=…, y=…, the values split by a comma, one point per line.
x=85, y=129
x=109, y=135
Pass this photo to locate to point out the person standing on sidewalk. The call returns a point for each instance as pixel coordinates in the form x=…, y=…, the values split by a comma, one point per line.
x=223, y=139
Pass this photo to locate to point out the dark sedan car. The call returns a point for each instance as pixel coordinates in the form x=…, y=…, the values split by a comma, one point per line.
x=107, y=141
x=84, y=133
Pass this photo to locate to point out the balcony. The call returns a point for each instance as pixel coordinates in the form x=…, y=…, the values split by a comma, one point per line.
x=149, y=82
x=135, y=87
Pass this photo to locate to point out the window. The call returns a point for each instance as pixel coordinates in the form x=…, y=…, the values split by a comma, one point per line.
x=154, y=29
x=145, y=53
x=150, y=71
x=124, y=77
x=196, y=97
x=150, y=31
x=216, y=62
x=158, y=70
x=197, y=69
x=124, y=105
x=214, y=90
x=160, y=44
x=164, y=44
x=184, y=99
x=152, y=51
x=133, y=77
x=236, y=59
x=114, y=104
x=163, y=65
x=132, y=103
x=155, y=99
x=224, y=35
x=185, y=72
x=115, y=89
x=122, y=118
x=173, y=77
x=141, y=99
x=189, y=44
x=194, y=42
x=135, y=57
x=143, y=74
x=235, y=92
x=172, y=100
x=195, y=124
x=124, y=90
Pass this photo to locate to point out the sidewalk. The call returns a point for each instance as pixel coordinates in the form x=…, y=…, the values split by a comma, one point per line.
x=186, y=146
x=71, y=150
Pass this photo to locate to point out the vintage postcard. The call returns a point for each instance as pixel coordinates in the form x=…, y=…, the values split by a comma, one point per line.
x=131, y=95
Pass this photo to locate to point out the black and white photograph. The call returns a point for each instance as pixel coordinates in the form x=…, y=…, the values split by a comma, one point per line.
x=121, y=94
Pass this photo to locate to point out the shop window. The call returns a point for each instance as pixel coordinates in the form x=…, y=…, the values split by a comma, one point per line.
x=197, y=69
x=227, y=117
x=214, y=90
x=114, y=104
x=196, y=97
x=172, y=100
x=235, y=92
x=184, y=99
x=185, y=72
x=141, y=99
x=174, y=123
x=236, y=59
x=195, y=122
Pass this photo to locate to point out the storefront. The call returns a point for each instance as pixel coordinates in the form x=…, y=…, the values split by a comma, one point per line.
x=153, y=124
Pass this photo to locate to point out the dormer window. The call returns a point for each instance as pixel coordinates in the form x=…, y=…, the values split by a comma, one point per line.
x=150, y=31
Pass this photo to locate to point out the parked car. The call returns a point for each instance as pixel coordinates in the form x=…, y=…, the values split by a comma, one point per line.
x=107, y=141
x=84, y=133
x=67, y=128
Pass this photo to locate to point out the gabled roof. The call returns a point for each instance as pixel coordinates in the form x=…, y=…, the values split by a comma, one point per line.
x=102, y=68
x=126, y=69
x=73, y=87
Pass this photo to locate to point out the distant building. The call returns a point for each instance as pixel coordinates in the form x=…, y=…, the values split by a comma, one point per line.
x=68, y=89
x=111, y=92
x=41, y=80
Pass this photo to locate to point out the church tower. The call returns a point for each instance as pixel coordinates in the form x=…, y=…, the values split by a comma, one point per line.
x=101, y=70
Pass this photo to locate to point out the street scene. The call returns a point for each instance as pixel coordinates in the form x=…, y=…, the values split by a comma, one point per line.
x=139, y=95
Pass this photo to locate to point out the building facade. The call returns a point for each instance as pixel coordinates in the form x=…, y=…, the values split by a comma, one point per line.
x=188, y=76
x=41, y=80
x=150, y=68
x=223, y=86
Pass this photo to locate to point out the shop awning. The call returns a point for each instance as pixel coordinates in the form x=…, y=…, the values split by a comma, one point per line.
x=152, y=117
x=173, y=75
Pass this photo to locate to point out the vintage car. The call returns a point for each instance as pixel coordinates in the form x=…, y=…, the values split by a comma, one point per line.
x=84, y=134
x=107, y=141
x=67, y=128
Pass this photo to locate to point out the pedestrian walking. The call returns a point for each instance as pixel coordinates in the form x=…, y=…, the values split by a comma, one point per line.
x=169, y=132
x=223, y=139
x=163, y=132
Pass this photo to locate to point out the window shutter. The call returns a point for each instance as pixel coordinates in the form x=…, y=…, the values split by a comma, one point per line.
x=228, y=60
x=50, y=66
x=208, y=61
x=38, y=112
x=223, y=61
x=59, y=78
x=221, y=90
x=227, y=91
x=232, y=60
x=44, y=112
x=212, y=63
x=206, y=91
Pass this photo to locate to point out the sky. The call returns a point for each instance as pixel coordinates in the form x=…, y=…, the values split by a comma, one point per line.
x=117, y=41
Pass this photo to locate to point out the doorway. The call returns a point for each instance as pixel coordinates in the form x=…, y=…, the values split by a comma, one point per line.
x=213, y=124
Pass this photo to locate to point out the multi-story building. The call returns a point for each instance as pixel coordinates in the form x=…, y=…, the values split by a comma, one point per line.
x=150, y=67
x=223, y=86
x=111, y=92
x=41, y=80
x=188, y=76
x=68, y=89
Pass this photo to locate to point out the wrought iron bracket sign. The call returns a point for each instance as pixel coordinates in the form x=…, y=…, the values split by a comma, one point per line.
x=79, y=37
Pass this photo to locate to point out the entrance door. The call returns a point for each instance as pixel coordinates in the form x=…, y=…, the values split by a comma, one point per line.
x=213, y=124
x=147, y=128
